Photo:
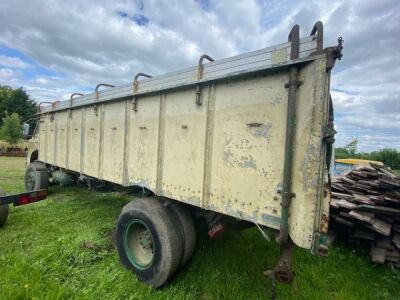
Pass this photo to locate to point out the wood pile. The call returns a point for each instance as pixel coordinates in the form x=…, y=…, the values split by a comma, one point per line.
x=366, y=201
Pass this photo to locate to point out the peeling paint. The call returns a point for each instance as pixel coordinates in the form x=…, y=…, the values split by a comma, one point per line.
x=268, y=219
x=262, y=131
x=247, y=162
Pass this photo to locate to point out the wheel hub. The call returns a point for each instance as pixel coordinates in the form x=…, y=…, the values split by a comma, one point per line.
x=145, y=240
x=139, y=244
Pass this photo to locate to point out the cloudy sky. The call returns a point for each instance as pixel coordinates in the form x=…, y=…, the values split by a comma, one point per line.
x=53, y=48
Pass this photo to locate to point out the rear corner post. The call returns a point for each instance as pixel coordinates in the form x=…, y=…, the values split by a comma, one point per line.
x=292, y=85
x=283, y=270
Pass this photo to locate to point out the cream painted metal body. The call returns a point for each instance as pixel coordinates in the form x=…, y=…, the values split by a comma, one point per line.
x=225, y=155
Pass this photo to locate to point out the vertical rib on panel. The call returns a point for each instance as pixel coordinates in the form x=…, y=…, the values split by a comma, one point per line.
x=126, y=143
x=208, y=144
x=161, y=135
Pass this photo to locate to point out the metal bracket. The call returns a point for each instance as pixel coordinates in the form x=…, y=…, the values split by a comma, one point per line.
x=53, y=105
x=329, y=133
x=96, y=91
x=320, y=244
x=283, y=271
x=136, y=86
x=296, y=83
x=334, y=53
x=198, y=95
x=200, y=69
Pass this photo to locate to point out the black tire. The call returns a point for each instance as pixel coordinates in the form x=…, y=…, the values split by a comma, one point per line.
x=36, y=176
x=3, y=211
x=146, y=217
x=186, y=228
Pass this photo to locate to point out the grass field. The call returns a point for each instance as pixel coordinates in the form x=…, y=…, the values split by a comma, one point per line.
x=60, y=248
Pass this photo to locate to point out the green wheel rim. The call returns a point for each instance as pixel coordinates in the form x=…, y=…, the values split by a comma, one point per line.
x=30, y=180
x=139, y=244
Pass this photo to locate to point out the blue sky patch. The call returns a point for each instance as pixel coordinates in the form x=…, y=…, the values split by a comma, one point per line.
x=139, y=19
x=34, y=70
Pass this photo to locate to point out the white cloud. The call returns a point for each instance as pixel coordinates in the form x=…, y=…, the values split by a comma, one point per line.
x=13, y=62
x=84, y=43
x=6, y=74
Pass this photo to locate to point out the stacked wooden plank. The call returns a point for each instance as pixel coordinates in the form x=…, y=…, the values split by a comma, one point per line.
x=366, y=201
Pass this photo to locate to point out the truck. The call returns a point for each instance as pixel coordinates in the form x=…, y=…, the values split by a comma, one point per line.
x=241, y=141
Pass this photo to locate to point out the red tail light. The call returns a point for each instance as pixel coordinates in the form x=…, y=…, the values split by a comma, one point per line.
x=30, y=197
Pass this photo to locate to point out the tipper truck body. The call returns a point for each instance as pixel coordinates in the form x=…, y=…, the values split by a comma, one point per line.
x=247, y=137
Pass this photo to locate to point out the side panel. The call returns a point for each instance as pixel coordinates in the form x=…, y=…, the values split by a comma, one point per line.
x=247, y=152
x=91, y=142
x=183, y=157
x=61, y=139
x=143, y=142
x=113, y=142
x=75, y=132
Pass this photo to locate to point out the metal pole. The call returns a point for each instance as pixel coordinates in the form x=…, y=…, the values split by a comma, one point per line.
x=290, y=138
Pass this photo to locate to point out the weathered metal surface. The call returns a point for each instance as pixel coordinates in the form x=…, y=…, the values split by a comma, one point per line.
x=226, y=154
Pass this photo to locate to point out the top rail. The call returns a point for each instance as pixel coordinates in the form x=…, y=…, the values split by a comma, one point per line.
x=306, y=49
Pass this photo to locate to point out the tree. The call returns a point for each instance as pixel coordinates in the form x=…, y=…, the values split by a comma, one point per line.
x=11, y=129
x=351, y=147
x=341, y=153
x=17, y=101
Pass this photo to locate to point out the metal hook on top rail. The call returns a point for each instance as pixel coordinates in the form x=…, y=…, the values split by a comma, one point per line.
x=318, y=29
x=96, y=91
x=136, y=86
x=294, y=39
x=71, y=98
x=200, y=69
x=53, y=106
x=39, y=107
x=71, y=102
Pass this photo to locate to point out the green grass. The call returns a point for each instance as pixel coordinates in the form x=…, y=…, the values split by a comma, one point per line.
x=60, y=248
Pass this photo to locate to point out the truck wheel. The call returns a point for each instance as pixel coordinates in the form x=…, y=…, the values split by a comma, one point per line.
x=36, y=176
x=3, y=211
x=186, y=228
x=147, y=241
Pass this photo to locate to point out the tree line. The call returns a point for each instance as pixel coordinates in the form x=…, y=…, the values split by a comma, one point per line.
x=15, y=107
x=389, y=156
